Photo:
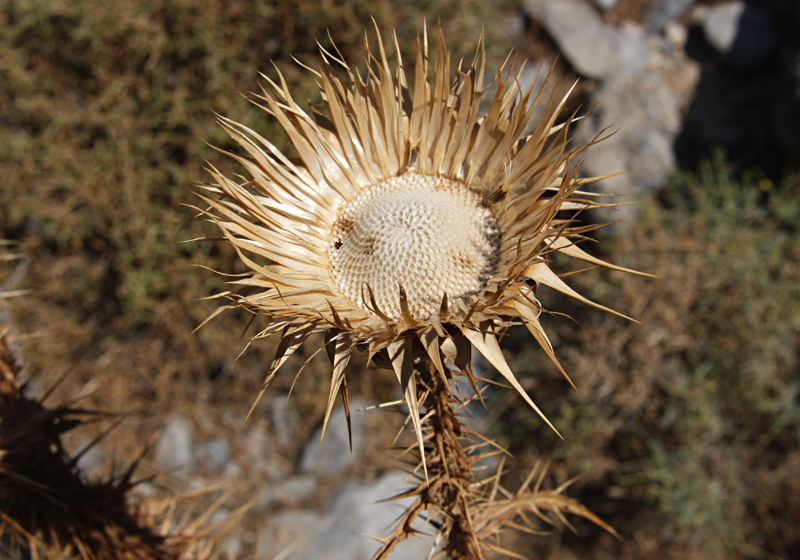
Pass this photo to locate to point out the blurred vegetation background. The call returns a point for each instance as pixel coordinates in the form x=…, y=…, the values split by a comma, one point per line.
x=684, y=429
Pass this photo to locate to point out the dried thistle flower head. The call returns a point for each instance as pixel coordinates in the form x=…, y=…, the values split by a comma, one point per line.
x=412, y=226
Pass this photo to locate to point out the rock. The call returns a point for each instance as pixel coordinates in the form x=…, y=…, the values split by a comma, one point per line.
x=215, y=453
x=631, y=49
x=721, y=25
x=292, y=491
x=282, y=417
x=341, y=532
x=287, y=535
x=258, y=449
x=676, y=34
x=648, y=117
x=594, y=49
x=174, y=448
x=229, y=546
x=744, y=35
x=92, y=461
x=605, y=4
x=664, y=12
x=580, y=34
x=332, y=456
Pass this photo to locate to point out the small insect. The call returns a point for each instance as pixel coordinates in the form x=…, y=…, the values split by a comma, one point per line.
x=413, y=154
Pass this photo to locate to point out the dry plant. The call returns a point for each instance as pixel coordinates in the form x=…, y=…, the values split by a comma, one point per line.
x=469, y=513
x=50, y=510
x=414, y=229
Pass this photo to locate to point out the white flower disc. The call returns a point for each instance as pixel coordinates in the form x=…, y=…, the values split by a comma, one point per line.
x=432, y=235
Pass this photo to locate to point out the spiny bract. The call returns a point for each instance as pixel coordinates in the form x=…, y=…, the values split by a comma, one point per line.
x=414, y=226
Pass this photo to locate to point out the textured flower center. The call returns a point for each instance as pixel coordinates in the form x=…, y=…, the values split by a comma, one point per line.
x=431, y=235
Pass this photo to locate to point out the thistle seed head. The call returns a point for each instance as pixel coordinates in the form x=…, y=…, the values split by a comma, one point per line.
x=432, y=236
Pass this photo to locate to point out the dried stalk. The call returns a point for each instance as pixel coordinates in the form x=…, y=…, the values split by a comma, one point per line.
x=469, y=513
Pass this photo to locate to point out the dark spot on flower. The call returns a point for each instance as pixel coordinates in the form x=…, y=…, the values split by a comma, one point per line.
x=344, y=226
x=462, y=262
x=368, y=247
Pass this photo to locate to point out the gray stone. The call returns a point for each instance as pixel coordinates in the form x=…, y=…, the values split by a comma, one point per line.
x=721, y=25
x=282, y=417
x=593, y=48
x=259, y=450
x=229, y=547
x=287, y=535
x=630, y=48
x=664, y=12
x=580, y=33
x=341, y=533
x=648, y=118
x=215, y=453
x=605, y=4
x=92, y=462
x=742, y=33
x=174, y=448
x=676, y=34
x=332, y=455
x=292, y=491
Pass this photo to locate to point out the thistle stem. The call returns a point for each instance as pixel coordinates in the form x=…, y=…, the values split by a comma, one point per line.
x=449, y=465
x=447, y=495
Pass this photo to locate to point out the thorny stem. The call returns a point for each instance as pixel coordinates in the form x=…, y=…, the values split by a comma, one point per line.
x=448, y=492
x=469, y=513
x=450, y=464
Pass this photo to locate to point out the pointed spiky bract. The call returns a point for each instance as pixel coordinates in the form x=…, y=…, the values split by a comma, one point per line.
x=382, y=172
